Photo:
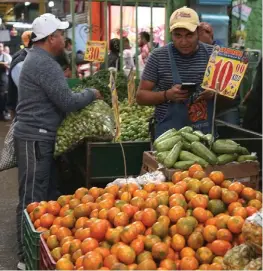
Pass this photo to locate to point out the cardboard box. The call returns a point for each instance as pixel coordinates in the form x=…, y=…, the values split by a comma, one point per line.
x=245, y=172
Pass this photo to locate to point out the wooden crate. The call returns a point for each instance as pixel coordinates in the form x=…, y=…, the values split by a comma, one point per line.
x=245, y=172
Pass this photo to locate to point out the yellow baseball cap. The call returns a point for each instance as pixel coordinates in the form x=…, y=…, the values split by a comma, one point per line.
x=184, y=18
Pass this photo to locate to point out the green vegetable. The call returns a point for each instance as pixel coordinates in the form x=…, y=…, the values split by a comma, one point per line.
x=165, y=135
x=186, y=145
x=199, y=149
x=188, y=156
x=199, y=134
x=226, y=158
x=183, y=164
x=186, y=129
x=167, y=144
x=243, y=158
x=173, y=155
x=190, y=137
x=224, y=147
x=244, y=151
x=161, y=156
x=209, y=138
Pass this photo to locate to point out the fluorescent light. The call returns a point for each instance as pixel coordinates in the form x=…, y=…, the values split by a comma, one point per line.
x=51, y=4
x=27, y=3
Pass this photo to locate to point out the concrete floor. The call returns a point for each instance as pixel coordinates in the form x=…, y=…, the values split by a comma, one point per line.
x=8, y=202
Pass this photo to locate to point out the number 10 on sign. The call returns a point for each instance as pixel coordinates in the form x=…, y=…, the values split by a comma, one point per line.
x=224, y=72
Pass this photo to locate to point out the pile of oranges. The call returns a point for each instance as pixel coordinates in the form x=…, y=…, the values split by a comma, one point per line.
x=188, y=223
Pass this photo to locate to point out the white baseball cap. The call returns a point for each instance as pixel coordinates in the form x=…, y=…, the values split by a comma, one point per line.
x=184, y=18
x=47, y=24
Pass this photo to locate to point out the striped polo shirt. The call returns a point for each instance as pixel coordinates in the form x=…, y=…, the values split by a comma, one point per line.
x=191, y=70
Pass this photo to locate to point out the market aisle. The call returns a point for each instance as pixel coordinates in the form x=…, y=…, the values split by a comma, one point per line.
x=8, y=201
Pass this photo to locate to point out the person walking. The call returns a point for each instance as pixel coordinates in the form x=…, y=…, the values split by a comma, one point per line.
x=44, y=99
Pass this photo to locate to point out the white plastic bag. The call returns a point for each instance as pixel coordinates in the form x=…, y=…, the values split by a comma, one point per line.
x=8, y=156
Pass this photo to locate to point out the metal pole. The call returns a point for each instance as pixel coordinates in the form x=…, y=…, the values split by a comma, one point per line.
x=90, y=31
x=151, y=27
x=73, y=56
x=168, y=12
x=121, y=35
x=136, y=46
x=106, y=32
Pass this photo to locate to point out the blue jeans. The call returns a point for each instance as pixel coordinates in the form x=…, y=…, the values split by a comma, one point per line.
x=230, y=116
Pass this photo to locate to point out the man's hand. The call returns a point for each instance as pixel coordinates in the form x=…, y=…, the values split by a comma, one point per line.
x=206, y=95
x=175, y=94
x=98, y=95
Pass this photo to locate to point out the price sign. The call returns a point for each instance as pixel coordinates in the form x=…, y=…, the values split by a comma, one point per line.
x=115, y=105
x=95, y=51
x=225, y=71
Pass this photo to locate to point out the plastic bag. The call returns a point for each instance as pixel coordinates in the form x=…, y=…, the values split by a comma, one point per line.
x=95, y=123
x=8, y=158
x=252, y=231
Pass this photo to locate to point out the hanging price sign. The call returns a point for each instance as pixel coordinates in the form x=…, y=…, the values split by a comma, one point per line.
x=95, y=51
x=225, y=71
x=131, y=87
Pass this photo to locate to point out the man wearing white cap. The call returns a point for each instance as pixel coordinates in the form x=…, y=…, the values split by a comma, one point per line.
x=172, y=77
x=44, y=98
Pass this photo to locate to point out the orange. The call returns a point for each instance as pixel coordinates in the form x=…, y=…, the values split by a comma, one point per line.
x=165, y=220
x=199, y=201
x=176, y=189
x=150, y=240
x=141, y=194
x=189, y=194
x=37, y=223
x=217, y=177
x=232, y=206
x=110, y=260
x=68, y=221
x=236, y=186
x=226, y=183
x=77, y=254
x=144, y=256
x=200, y=214
x=160, y=229
x=206, y=185
x=112, y=212
x=177, y=177
x=74, y=246
x=81, y=192
x=64, y=264
x=218, y=259
x=210, y=221
x=121, y=219
x=185, y=226
x=248, y=193
x=251, y=210
x=149, y=187
x=189, y=263
x=56, y=253
x=82, y=210
x=149, y=217
x=80, y=222
x=194, y=168
x=178, y=242
x=128, y=234
x=63, y=232
x=220, y=247
x=66, y=239
x=204, y=266
x=137, y=245
x=195, y=240
x=139, y=226
x=255, y=203
x=161, y=186
x=87, y=198
x=137, y=202
x=148, y=264
x=224, y=234
x=199, y=175
x=79, y=262
x=94, y=192
x=215, y=192
x=177, y=201
x=64, y=200
x=151, y=202
x=175, y=213
x=187, y=252
x=167, y=264
x=98, y=229
x=235, y=224
x=204, y=255
x=88, y=245
x=30, y=207
x=92, y=261
x=113, y=189
x=221, y=221
x=259, y=196
x=52, y=242
x=240, y=211
x=229, y=196
x=216, y=266
x=39, y=211
x=160, y=251
x=126, y=254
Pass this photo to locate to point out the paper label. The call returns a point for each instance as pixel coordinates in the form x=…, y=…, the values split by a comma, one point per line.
x=95, y=51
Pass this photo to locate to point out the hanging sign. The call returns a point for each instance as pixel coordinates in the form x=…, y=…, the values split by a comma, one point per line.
x=95, y=51
x=131, y=87
x=225, y=71
x=115, y=105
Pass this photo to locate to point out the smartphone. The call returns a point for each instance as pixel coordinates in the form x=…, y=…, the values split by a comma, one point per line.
x=191, y=87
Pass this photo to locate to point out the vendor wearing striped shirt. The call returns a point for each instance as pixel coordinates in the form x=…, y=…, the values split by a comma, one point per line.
x=184, y=60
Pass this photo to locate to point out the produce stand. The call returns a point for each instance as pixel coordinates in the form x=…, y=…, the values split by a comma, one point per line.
x=97, y=164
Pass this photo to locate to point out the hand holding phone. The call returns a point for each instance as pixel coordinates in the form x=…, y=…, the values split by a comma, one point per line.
x=176, y=94
x=191, y=87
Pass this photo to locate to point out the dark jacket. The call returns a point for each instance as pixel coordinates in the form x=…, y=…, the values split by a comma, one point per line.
x=253, y=115
x=12, y=88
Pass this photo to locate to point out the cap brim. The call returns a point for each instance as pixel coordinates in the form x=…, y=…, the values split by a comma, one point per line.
x=63, y=25
x=188, y=26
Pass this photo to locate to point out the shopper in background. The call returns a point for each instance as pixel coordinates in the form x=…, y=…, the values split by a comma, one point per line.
x=14, y=72
x=114, y=55
x=128, y=62
x=183, y=60
x=7, y=50
x=206, y=34
x=5, y=61
x=144, y=44
x=44, y=98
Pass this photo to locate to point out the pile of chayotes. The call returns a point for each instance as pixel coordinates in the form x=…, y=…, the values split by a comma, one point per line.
x=188, y=223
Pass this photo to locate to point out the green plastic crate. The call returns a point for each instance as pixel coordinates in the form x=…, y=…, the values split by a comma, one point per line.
x=31, y=243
